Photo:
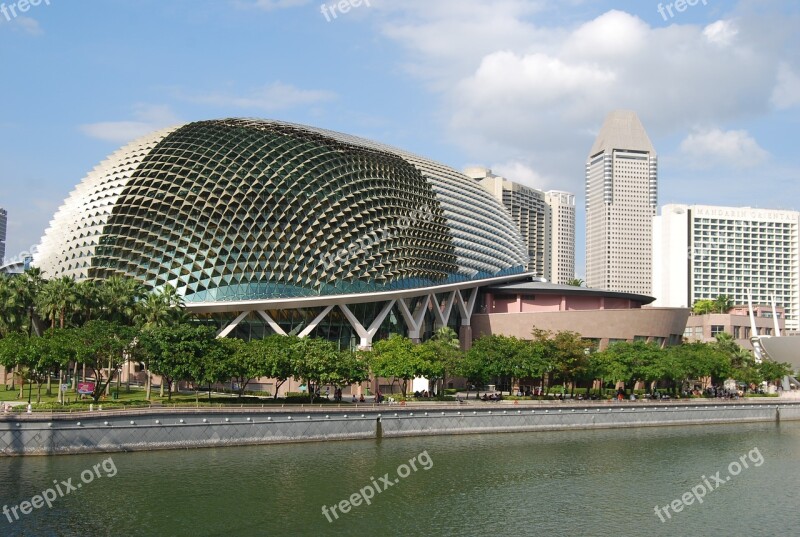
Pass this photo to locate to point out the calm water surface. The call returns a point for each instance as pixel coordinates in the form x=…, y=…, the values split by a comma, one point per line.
x=582, y=483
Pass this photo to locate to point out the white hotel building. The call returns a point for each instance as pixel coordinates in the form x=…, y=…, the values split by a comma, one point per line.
x=702, y=252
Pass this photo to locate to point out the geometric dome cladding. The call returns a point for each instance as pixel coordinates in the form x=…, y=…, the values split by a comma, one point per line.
x=241, y=209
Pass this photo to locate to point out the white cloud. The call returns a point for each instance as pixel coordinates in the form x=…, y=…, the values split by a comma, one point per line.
x=721, y=32
x=715, y=147
x=29, y=25
x=521, y=172
x=275, y=96
x=21, y=24
x=787, y=91
x=516, y=89
x=147, y=118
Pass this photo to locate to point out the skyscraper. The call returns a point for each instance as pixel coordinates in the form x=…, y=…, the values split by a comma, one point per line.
x=3, y=226
x=528, y=210
x=561, y=233
x=621, y=200
x=704, y=252
x=546, y=221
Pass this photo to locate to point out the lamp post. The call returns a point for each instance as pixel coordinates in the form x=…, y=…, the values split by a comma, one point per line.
x=30, y=387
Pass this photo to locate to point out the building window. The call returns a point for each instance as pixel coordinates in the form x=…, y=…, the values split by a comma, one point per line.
x=716, y=329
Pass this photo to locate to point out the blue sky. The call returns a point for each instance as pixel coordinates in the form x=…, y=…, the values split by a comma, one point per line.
x=521, y=86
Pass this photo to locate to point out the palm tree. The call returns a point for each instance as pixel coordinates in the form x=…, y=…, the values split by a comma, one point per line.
x=448, y=335
x=723, y=304
x=32, y=281
x=119, y=297
x=57, y=300
x=575, y=282
x=87, y=298
x=6, y=304
x=159, y=309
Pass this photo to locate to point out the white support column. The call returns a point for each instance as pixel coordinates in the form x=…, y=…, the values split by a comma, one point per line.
x=376, y=324
x=366, y=340
x=225, y=332
x=367, y=334
x=271, y=322
x=443, y=316
x=466, y=308
x=318, y=319
x=414, y=320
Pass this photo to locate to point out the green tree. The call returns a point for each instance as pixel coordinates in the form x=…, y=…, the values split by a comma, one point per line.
x=575, y=282
x=630, y=362
x=87, y=301
x=705, y=360
x=504, y=356
x=206, y=361
x=275, y=353
x=774, y=371
x=101, y=346
x=474, y=368
x=349, y=368
x=119, y=297
x=17, y=352
x=723, y=304
x=17, y=296
x=158, y=309
x=703, y=307
x=399, y=359
x=445, y=352
x=611, y=364
x=314, y=362
x=569, y=356
x=243, y=362
x=57, y=301
x=176, y=352
x=743, y=365
x=674, y=367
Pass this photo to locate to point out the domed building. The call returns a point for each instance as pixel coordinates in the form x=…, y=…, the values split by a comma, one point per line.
x=270, y=227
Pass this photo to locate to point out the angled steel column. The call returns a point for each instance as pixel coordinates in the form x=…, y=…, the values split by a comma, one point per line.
x=225, y=332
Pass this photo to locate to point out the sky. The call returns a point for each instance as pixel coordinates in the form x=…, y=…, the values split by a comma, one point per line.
x=520, y=86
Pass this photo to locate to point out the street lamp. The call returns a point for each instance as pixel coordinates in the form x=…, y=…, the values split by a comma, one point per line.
x=30, y=387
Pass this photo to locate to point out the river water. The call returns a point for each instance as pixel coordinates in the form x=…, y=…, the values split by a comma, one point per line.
x=582, y=483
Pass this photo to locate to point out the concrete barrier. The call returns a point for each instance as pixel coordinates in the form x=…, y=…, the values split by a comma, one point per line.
x=138, y=430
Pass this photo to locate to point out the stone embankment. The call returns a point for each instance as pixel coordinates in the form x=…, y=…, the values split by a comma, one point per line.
x=183, y=428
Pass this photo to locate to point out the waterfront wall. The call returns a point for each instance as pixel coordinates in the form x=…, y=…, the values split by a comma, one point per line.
x=196, y=428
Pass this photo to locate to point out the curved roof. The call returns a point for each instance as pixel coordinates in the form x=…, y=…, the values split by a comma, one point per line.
x=243, y=209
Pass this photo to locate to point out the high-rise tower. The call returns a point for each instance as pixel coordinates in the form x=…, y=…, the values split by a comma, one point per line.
x=561, y=234
x=621, y=201
x=546, y=221
x=529, y=211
